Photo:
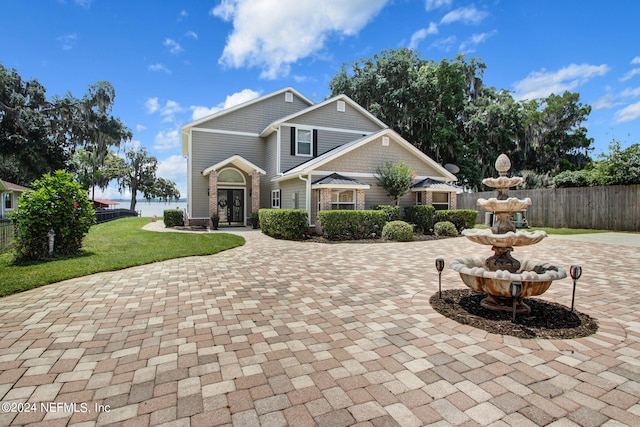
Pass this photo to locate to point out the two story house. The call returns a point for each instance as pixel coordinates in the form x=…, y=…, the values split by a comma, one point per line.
x=282, y=150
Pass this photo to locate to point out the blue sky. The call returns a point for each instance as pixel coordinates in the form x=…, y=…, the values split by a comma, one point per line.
x=172, y=62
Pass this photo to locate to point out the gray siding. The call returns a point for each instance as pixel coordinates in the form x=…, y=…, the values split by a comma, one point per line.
x=288, y=188
x=328, y=116
x=254, y=118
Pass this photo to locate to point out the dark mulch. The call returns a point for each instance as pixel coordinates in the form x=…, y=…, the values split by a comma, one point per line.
x=547, y=320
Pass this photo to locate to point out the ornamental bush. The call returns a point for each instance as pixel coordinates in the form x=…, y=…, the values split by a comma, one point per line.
x=397, y=230
x=393, y=212
x=173, y=218
x=288, y=224
x=421, y=216
x=352, y=224
x=445, y=229
x=461, y=218
x=56, y=202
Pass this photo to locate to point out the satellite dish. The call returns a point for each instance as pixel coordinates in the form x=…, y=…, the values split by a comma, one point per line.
x=452, y=168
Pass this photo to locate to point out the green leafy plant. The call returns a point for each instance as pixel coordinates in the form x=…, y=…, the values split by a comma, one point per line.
x=421, y=216
x=288, y=224
x=393, y=212
x=56, y=203
x=445, y=229
x=352, y=225
x=396, y=179
x=397, y=230
x=461, y=218
x=173, y=218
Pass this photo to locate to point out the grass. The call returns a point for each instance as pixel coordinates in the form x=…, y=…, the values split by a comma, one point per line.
x=111, y=246
x=561, y=231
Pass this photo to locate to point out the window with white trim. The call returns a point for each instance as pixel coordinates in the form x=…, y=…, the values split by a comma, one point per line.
x=7, y=201
x=343, y=199
x=304, y=140
x=275, y=199
x=440, y=201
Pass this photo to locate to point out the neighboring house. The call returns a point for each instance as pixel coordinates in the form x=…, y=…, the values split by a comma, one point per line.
x=9, y=193
x=283, y=151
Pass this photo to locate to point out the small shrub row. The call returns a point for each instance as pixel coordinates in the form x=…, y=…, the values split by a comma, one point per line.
x=461, y=218
x=421, y=216
x=397, y=230
x=352, y=224
x=288, y=224
x=393, y=212
x=173, y=218
x=445, y=229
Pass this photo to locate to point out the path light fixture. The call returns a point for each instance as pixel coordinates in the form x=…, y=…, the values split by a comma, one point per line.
x=439, y=267
x=575, y=271
x=516, y=291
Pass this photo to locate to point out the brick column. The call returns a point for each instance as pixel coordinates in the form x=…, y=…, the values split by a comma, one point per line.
x=360, y=199
x=427, y=198
x=453, y=201
x=213, y=192
x=255, y=191
x=325, y=199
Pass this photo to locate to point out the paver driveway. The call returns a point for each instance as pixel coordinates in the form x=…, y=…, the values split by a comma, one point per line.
x=276, y=333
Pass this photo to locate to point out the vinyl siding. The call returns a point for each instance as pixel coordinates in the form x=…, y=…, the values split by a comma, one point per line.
x=328, y=116
x=288, y=188
x=256, y=117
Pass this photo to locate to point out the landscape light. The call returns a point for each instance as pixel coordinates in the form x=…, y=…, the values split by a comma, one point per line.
x=575, y=271
x=439, y=267
x=516, y=290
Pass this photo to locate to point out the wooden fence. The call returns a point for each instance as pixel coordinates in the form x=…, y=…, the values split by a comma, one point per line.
x=615, y=207
x=7, y=231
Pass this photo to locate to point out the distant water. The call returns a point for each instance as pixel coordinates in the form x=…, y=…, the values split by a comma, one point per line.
x=150, y=209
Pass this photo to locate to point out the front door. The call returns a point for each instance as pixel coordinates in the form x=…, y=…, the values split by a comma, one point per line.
x=231, y=207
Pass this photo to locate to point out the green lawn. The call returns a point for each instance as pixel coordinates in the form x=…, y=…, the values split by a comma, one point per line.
x=112, y=246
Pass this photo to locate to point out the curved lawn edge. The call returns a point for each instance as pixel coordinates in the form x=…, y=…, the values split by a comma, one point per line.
x=112, y=246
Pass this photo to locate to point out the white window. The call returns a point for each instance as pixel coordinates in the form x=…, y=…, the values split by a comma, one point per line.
x=440, y=201
x=7, y=201
x=343, y=199
x=303, y=142
x=275, y=199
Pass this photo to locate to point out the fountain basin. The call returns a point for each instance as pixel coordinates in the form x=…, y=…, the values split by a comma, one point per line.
x=536, y=277
x=503, y=181
x=519, y=238
x=512, y=204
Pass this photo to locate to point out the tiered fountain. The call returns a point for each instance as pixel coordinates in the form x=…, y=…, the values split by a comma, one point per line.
x=494, y=276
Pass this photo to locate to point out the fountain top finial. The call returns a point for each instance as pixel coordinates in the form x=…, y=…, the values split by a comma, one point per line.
x=503, y=164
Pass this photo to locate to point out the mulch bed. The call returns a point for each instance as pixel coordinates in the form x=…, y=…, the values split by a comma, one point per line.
x=547, y=320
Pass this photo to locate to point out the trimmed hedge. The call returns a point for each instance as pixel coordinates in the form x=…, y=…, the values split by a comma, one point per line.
x=397, y=230
x=352, y=225
x=173, y=218
x=445, y=228
x=287, y=224
x=421, y=216
x=393, y=212
x=461, y=218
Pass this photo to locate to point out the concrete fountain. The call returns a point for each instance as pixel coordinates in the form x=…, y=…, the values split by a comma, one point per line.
x=498, y=275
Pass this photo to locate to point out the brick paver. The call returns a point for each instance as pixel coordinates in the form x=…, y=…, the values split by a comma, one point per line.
x=299, y=333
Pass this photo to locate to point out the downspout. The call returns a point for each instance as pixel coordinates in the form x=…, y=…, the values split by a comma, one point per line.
x=307, y=201
x=278, y=147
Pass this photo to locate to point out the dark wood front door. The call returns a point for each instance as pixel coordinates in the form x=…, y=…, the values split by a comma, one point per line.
x=231, y=206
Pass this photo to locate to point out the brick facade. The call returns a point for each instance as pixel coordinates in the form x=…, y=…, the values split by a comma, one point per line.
x=213, y=192
x=255, y=191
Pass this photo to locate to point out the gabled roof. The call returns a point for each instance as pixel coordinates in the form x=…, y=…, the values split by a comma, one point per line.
x=237, y=161
x=433, y=184
x=10, y=186
x=270, y=128
x=336, y=180
x=313, y=164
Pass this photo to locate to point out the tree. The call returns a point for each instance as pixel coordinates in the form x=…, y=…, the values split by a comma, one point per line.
x=137, y=172
x=396, y=179
x=165, y=190
x=56, y=202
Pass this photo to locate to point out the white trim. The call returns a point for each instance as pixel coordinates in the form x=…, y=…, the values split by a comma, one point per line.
x=237, y=161
x=190, y=195
x=244, y=180
x=279, y=198
x=278, y=148
x=307, y=129
x=326, y=129
x=434, y=190
x=342, y=186
x=226, y=132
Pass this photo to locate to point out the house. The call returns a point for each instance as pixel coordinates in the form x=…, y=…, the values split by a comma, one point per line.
x=9, y=193
x=282, y=150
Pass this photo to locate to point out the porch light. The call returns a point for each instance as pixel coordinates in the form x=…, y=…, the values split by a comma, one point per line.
x=439, y=267
x=575, y=271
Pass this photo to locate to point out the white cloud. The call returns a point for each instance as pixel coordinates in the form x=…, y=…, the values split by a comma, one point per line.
x=437, y=4
x=466, y=15
x=421, y=34
x=444, y=44
x=183, y=14
x=603, y=103
x=630, y=74
x=167, y=140
x=159, y=67
x=636, y=60
x=152, y=105
x=540, y=84
x=244, y=95
x=273, y=41
x=173, y=168
x=191, y=34
x=140, y=128
x=173, y=46
x=631, y=92
x=629, y=113
x=68, y=41
x=470, y=44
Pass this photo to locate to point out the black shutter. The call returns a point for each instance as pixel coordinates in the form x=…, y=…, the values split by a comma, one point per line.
x=315, y=143
x=293, y=141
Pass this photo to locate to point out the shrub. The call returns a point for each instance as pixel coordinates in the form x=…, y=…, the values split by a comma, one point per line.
x=173, y=218
x=351, y=225
x=421, y=216
x=288, y=224
x=396, y=179
x=445, y=229
x=397, y=230
x=461, y=218
x=393, y=212
x=56, y=203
